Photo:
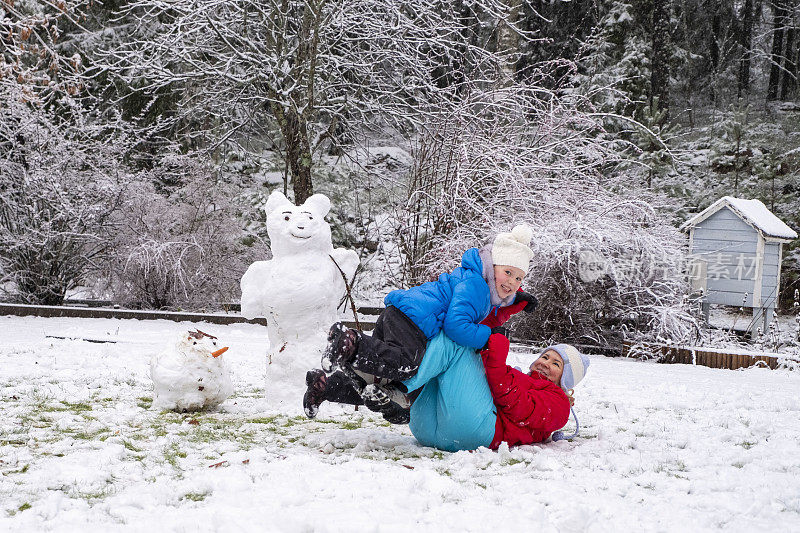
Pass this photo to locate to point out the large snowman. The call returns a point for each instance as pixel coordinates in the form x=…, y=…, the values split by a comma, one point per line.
x=297, y=291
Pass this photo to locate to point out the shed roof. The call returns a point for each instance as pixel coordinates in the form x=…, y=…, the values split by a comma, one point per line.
x=753, y=212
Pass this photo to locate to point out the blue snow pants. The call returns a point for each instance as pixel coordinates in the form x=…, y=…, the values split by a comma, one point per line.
x=455, y=410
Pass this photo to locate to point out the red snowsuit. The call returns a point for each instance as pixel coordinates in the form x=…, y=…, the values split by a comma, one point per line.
x=529, y=408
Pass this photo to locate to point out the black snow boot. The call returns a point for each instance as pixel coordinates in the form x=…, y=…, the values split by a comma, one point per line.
x=342, y=345
x=337, y=387
x=315, y=392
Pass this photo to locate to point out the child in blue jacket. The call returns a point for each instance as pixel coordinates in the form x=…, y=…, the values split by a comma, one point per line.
x=455, y=303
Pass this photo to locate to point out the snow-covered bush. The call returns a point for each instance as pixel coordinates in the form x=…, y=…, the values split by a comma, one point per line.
x=608, y=269
x=179, y=247
x=60, y=182
x=606, y=263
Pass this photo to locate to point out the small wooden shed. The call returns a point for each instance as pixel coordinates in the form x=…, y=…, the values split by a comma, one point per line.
x=736, y=248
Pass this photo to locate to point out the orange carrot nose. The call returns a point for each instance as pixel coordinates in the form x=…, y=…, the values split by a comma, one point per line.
x=219, y=352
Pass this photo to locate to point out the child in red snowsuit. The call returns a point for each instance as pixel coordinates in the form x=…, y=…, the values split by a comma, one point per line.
x=530, y=407
x=467, y=402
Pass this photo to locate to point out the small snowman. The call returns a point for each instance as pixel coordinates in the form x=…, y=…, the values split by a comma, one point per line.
x=190, y=375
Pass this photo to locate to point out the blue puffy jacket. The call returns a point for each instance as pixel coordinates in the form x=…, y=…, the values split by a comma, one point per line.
x=457, y=302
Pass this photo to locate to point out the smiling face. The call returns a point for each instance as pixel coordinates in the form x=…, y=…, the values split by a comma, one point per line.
x=301, y=226
x=550, y=366
x=507, y=279
x=293, y=229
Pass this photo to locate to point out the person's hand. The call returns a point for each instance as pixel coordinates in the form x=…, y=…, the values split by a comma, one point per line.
x=532, y=304
x=496, y=350
x=505, y=332
x=502, y=331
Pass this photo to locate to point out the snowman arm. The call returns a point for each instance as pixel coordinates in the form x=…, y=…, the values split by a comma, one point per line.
x=347, y=261
x=252, y=282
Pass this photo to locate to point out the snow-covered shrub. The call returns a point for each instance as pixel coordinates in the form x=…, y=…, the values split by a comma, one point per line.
x=606, y=264
x=60, y=181
x=606, y=269
x=179, y=247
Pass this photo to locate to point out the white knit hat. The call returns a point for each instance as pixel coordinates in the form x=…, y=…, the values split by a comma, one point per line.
x=512, y=248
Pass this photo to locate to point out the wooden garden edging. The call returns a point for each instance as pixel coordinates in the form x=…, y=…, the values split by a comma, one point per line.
x=98, y=312
x=703, y=356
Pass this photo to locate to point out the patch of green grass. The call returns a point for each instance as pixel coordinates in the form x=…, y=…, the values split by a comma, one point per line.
x=24, y=507
x=20, y=471
x=295, y=420
x=352, y=424
x=92, y=435
x=130, y=446
x=144, y=402
x=738, y=464
x=195, y=496
x=78, y=407
x=513, y=461
x=747, y=444
x=13, y=442
x=219, y=431
x=92, y=496
x=263, y=420
x=171, y=455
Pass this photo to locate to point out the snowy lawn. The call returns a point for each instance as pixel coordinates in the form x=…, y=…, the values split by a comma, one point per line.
x=662, y=448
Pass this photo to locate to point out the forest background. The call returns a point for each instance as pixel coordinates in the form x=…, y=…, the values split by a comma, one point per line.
x=139, y=141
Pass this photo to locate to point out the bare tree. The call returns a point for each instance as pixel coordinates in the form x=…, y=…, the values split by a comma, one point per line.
x=313, y=69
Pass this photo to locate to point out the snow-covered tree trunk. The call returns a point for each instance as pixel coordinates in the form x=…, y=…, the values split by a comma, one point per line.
x=745, y=46
x=508, y=40
x=659, y=64
x=778, y=31
x=792, y=55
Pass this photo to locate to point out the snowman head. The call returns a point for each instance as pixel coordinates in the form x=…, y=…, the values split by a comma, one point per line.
x=294, y=229
x=199, y=344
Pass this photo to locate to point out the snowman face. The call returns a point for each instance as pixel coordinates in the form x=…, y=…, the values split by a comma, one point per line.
x=189, y=344
x=294, y=228
x=299, y=226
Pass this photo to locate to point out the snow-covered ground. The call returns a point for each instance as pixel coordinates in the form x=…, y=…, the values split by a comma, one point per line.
x=662, y=448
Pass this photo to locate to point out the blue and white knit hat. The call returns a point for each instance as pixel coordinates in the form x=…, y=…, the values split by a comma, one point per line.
x=575, y=365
